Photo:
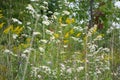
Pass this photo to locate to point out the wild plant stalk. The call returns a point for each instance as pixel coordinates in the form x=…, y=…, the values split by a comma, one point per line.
x=31, y=43
x=85, y=48
x=112, y=52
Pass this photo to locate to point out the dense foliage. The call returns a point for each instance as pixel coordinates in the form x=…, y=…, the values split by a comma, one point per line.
x=52, y=40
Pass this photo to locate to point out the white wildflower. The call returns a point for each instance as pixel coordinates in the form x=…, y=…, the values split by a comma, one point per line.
x=16, y=20
x=43, y=41
x=29, y=7
x=41, y=49
x=106, y=49
x=63, y=25
x=39, y=76
x=79, y=69
x=15, y=36
x=49, y=32
x=69, y=70
x=46, y=3
x=62, y=66
x=117, y=4
x=65, y=46
x=46, y=22
x=45, y=17
x=28, y=50
x=23, y=55
x=36, y=33
x=34, y=0
x=56, y=13
x=28, y=23
x=75, y=39
x=8, y=51
x=66, y=12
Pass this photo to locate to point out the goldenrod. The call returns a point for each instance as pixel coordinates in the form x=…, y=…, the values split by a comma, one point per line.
x=70, y=20
x=65, y=41
x=10, y=28
x=1, y=25
x=67, y=35
x=56, y=35
x=71, y=31
x=60, y=20
x=18, y=30
x=78, y=34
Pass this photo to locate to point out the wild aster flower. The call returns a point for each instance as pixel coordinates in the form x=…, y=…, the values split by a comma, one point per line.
x=45, y=17
x=41, y=49
x=66, y=13
x=69, y=70
x=79, y=69
x=15, y=36
x=28, y=50
x=28, y=23
x=16, y=20
x=34, y=0
x=46, y=22
x=29, y=7
x=44, y=41
x=39, y=76
x=23, y=55
x=63, y=25
x=99, y=37
x=46, y=3
x=117, y=4
x=106, y=49
x=36, y=33
x=49, y=32
x=62, y=67
x=8, y=51
x=75, y=39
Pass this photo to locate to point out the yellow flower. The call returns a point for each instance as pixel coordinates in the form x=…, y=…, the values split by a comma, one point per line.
x=70, y=20
x=56, y=35
x=78, y=34
x=18, y=30
x=28, y=40
x=71, y=31
x=65, y=41
x=10, y=28
x=67, y=35
x=94, y=29
x=1, y=25
x=60, y=20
